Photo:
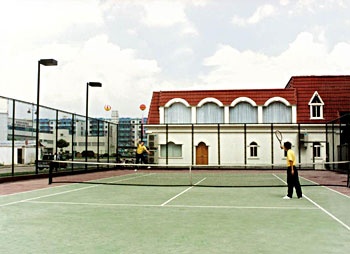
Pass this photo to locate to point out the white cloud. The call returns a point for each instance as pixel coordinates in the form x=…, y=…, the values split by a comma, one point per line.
x=126, y=79
x=315, y=5
x=113, y=42
x=339, y=57
x=284, y=2
x=261, y=13
x=236, y=20
x=163, y=13
x=190, y=30
x=35, y=20
x=232, y=68
x=184, y=52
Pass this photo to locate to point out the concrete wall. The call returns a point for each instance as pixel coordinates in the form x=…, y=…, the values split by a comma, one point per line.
x=234, y=143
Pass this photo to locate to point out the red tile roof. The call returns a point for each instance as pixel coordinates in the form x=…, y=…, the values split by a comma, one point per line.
x=334, y=91
x=193, y=97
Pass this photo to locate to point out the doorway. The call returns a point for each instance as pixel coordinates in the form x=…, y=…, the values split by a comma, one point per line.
x=20, y=156
x=202, y=154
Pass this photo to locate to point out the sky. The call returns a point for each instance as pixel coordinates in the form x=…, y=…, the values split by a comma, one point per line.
x=136, y=47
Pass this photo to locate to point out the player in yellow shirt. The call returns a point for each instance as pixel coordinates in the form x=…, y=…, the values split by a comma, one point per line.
x=141, y=148
x=292, y=172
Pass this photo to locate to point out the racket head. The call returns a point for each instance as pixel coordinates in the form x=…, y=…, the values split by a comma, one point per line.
x=278, y=135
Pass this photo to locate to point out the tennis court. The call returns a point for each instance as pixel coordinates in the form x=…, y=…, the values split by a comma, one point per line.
x=130, y=212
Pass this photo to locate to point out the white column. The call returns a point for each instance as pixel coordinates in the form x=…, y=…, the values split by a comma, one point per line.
x=294, y=114
x=194, y=114
x=161, y=115
x=260, y=114
x=226, y=114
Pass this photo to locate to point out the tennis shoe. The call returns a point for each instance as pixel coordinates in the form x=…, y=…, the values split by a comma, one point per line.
x=286, y=197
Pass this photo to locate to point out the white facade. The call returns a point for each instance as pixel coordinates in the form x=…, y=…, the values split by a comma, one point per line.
x=229, y=144
x=3, y=119
x=24, y=152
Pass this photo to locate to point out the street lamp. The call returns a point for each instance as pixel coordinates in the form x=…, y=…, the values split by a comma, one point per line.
x=92, y=84
x=32, y=111
x=45, y=62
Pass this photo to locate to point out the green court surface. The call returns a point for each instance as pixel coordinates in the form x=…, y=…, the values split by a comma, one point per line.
x=109, y=218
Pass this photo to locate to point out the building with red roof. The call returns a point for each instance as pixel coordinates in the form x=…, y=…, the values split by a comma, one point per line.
x=224, y=127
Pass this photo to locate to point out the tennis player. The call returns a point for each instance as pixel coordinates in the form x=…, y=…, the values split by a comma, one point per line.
x=141, y=148
x=292, y=172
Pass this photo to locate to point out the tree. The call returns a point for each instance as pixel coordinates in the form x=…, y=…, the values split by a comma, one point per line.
x=62, y=144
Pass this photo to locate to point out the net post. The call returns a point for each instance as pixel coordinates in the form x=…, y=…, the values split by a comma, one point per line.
x=50, y=172
x=348, y=183
x=190, y=172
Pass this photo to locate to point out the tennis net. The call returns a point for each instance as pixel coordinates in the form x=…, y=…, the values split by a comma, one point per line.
x=268, y=175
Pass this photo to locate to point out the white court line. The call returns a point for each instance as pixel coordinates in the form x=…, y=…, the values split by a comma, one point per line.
x=320, y=207
x=166, y=202
x=325, y=211
x=175, y=206
x=61, y=186
x=29, y=191
x=64, y=192
x=326, y=187
x=44, y=196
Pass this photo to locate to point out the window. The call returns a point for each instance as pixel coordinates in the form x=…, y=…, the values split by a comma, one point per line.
x=253, y=146
x=244, y=112
x=316, y=106
x=173, y=150
x=210, y=113
x=178, y=113
x=316, y=111
x=277, y=112
x=316, y=149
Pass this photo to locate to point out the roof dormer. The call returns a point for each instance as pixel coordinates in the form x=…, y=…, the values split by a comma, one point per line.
x=316, y=106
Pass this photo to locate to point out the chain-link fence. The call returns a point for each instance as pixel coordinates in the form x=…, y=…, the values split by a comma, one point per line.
x=61, y=135
x=69, y=136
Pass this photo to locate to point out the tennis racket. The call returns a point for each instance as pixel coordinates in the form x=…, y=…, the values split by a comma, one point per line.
x=279, y=136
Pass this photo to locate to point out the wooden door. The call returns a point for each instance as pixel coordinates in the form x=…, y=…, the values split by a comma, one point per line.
x=202, y=154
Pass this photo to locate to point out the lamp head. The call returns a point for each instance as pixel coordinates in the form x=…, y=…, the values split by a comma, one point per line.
x=48, y=62
x=94, y=84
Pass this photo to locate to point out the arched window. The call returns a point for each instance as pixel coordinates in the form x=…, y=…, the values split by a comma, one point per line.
x=210, y=113
x=277, y=112
x=243, y=112
x=178, y=113
x=253, y=147
x=174, y=150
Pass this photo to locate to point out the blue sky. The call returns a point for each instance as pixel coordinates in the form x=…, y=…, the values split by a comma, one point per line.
x=136, y=47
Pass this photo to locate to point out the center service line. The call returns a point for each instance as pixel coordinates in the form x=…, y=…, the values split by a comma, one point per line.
x=168, y=201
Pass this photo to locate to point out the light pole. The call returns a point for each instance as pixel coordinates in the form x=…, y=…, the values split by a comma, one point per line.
x=45, y=62
x=31, y=111
x=92, y=84
x=142, y=107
